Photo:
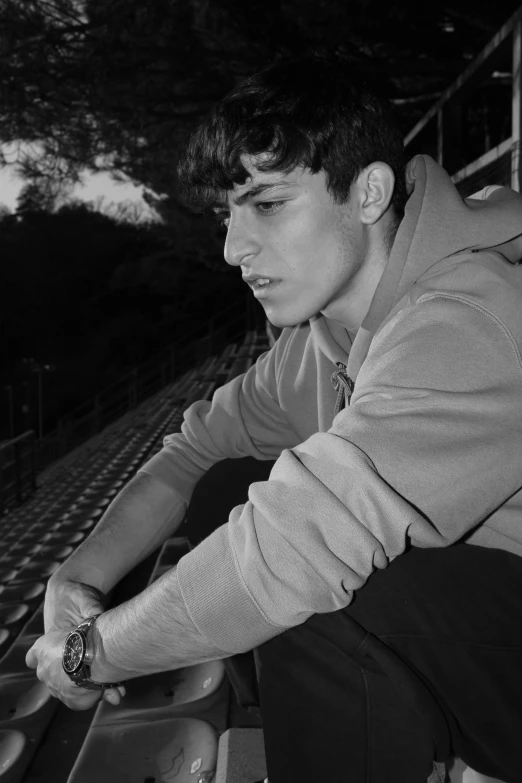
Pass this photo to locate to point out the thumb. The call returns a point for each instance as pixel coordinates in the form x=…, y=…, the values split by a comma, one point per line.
x=90, y=607
x=89, y=601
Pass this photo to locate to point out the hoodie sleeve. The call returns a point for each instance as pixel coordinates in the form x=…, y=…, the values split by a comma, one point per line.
x=243, y=419
x=429, y=448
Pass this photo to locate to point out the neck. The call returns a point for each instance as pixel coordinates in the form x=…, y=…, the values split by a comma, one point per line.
x=351, y=308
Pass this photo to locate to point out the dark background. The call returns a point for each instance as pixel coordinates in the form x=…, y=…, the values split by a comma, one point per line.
x=84, y=296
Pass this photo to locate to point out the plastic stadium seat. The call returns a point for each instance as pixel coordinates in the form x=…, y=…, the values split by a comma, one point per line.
x=13, y=756
x=35, y=624
x=163, y=715
x=168, y=694
x=461, y=773
x=63, y=537
x=51, y=552
x=77, y=524
x=7, y=574
x=24, y=593
x=13, y=662
x=171, y=552
x=13, y=614
x=34, y=571
x=26, y=706
x=171, y=751
x=15, y=561
x=22, y=698
x=5, y=640
x=20, y=545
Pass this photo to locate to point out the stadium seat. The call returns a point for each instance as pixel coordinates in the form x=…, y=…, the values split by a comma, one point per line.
x=187, y=708
x=177, y=750
x=13, y=755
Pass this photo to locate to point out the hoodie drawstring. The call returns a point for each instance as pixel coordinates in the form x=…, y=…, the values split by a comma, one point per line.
x=343, y=385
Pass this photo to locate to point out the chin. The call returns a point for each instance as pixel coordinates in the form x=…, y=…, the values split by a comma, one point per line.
x=289, y=318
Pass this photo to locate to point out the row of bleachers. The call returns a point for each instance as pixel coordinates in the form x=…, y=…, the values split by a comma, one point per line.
x=37, y=536
x=183, y=725
x=179, y=725
x=166, y=727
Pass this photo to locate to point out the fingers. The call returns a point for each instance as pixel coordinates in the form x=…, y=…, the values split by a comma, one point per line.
x=111, y=696
x=46, y=657
x=84, y=702
x=114, y=695
x=77, y=698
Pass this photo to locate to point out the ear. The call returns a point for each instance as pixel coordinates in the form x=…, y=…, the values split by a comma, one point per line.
x=375, y=186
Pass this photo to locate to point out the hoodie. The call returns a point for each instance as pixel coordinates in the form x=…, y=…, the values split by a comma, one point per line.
x=412, y=436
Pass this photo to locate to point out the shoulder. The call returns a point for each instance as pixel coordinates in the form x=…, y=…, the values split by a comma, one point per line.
x=483, y=280
x=463, y=318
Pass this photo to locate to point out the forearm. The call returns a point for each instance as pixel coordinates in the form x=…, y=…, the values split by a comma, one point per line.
x=140, y=518
x=152, y=632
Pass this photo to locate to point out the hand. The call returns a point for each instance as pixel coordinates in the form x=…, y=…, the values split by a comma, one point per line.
x=46, y=657
x=68, y=603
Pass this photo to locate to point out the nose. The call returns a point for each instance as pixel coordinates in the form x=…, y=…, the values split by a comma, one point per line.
x=240, y=243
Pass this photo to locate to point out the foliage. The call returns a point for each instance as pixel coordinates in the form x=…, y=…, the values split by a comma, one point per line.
x=40, y=195
x=118, y=84
x=93, y=297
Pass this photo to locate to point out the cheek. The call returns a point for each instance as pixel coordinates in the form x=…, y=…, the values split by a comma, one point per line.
x=307, y=250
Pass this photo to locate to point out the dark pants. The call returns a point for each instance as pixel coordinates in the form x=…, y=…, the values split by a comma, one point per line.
x=425, y=663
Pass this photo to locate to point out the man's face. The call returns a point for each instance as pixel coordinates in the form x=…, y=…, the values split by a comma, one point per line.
x=287, y=229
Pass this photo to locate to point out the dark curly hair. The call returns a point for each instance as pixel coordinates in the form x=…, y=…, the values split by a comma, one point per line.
x=311, y=112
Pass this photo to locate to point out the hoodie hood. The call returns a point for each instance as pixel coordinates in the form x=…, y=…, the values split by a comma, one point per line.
x=437, y=223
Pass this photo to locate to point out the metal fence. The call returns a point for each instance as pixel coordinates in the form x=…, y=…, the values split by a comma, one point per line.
x=442, y=131
x=22, y=458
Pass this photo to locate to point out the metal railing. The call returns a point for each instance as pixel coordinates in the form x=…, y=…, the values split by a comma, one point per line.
x=139, y=384
x=440, y=132
x=23, y=457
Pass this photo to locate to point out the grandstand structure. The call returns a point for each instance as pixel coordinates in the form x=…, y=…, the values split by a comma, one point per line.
x=172, y=721
x=183, y=726
x=23, y=458
x=474, y=129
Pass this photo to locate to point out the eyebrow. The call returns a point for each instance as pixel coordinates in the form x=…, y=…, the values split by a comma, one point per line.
x=261, y=188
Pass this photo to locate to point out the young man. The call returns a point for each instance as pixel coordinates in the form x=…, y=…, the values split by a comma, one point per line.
x=378, y=571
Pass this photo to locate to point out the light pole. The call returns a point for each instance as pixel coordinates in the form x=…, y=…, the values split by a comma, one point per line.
x=26, y=407
x=40, y=369
x=9, y=390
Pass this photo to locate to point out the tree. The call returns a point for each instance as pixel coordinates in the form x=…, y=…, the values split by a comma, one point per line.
x=117, y=84
x=40, y=195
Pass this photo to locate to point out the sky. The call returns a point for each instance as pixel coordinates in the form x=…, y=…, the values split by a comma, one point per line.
x=94, y=186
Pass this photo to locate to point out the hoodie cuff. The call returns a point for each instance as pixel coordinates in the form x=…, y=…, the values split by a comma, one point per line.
x=217, y=598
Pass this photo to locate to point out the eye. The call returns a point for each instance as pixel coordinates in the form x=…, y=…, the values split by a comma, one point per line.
x=268, y=207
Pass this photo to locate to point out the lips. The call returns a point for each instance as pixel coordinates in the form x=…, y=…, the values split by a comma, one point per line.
x=257, y=282
x=251, y=279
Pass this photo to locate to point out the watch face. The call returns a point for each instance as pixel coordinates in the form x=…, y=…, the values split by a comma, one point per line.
x=73, y=652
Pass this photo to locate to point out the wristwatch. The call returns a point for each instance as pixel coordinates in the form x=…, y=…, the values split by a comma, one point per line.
x=78, y=655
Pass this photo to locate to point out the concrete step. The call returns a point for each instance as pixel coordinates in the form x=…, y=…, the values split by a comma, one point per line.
x=241, y=756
